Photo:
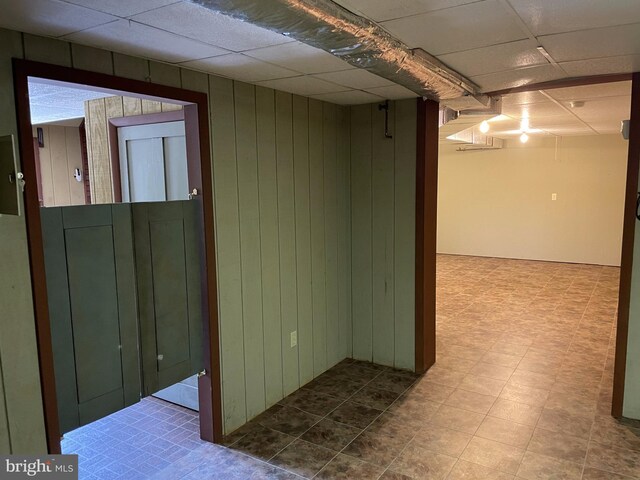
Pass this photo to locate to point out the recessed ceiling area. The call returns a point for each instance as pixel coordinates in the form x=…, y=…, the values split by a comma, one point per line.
x=51, y=102
x=583, y=110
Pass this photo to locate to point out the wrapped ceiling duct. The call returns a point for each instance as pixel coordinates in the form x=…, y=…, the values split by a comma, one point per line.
x=354, y=39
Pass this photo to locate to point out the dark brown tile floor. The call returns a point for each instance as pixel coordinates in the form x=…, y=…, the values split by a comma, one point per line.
x=521, y=389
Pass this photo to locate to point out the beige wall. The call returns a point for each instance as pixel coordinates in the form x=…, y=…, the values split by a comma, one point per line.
x=59, y=157
x=497, y=203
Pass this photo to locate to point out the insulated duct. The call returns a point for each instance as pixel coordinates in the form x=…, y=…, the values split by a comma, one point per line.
x=356, y=40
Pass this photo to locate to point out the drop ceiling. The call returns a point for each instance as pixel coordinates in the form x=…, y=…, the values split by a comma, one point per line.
x=598, y=110
x=492, y=42
x=53, y=103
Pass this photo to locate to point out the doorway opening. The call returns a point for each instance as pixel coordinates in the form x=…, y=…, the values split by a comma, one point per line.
x=530, y=225
x=121, y=241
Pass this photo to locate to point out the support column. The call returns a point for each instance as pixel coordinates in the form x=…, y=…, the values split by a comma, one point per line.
x=626, y=378
x=426, y=223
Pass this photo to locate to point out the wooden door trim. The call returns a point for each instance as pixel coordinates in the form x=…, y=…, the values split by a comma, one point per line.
x=211, y=403
x=628, y=239
x=132, y=121
x=426, y=229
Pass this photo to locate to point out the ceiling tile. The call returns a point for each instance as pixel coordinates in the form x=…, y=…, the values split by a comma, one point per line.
x=610, y=108
x=534, y=110
x=602, y=66
x=554, y=16
x=200, y=23
x=303, y=85
x=300, y=57
x=355, y=78
x=523, y=98
x=133, y=38
x=120, y=8
x=606, y=128
x=496, y=58
x=600, y=42
x=460, y=28
x=586, y=92
x=394, y=92
x=352, y=97
x=568, y=130
x=380, y=10
x=518, y=77
x=48, y=17
x=241, y=67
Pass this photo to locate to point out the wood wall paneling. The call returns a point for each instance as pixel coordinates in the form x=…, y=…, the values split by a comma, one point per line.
x=23, y=413
x=221, y=97
x=404, y=233
x=249, y=207
x=303, y=237
x=362, y=260
x=269, y=243
x=382, y=217
x=287, y=234
x=318, y=255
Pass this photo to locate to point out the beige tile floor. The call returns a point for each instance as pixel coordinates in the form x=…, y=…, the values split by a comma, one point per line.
x=521, y=389
x=524, y=369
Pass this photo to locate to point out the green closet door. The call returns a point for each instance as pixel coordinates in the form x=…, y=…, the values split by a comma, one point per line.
x=91, y=288
x=169, y=268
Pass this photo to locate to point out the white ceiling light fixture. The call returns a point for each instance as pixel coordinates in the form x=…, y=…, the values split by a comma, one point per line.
x=524, y=124
x=484, y=126
x=524, y=138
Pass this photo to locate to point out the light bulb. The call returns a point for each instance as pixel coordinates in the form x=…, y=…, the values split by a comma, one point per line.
x=484, y=126
x=524, y=124
x=524, y=137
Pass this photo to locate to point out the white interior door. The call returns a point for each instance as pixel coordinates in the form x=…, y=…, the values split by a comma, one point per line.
x=153, y=162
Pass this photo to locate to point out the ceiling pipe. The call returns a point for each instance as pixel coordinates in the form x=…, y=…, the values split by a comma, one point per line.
x=356, y=40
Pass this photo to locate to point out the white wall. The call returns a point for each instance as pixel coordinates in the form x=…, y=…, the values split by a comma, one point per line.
x=497, y=203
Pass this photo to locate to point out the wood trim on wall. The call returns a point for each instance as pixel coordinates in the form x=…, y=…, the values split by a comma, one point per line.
x=426, y=227
x=628, y=240
x=148, y=119
x=211, y=411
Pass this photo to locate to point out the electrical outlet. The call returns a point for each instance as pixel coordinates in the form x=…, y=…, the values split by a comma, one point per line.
x=554, y=196
x=294, y=338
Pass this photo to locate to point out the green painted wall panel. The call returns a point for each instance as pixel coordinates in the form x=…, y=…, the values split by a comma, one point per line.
x=18, y=352
x=164, y=74
x=228, y=249
x=287, y=234
x=93, y=59
x=329, y=132
x=269, y=243
x=303, y=236
x=249, y=207
x=48, y=50
x=5, y=441
x=382, y=172
x=361, y=259
x=130, y=67
x=405, y=231
x=383, y=234
x=318, y=256
x=344, y=231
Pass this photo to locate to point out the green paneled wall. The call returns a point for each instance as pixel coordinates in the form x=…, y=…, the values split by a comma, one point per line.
x=290, y=175
x=383, y=234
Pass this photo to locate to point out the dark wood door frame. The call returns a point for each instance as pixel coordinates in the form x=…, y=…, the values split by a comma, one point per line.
x=426, y=224
x=628, y=238
x=133, y=120
x=426, y=233
x=197, y=139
